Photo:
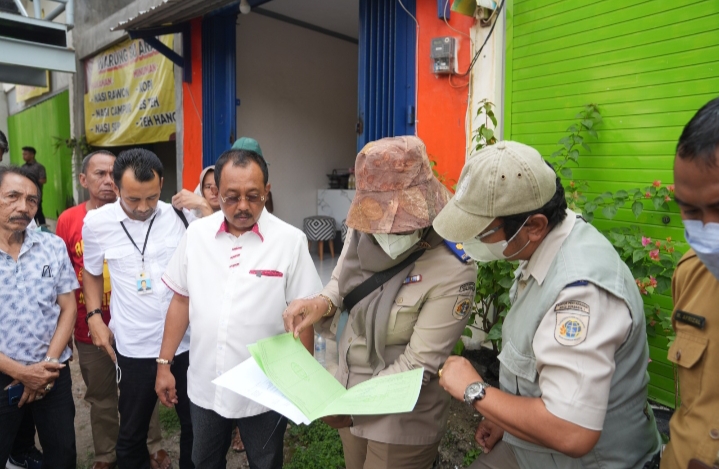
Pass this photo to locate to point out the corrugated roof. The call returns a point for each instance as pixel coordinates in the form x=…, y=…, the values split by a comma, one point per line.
x=172, y=12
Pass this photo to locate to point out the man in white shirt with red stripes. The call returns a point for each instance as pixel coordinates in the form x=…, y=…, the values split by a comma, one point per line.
x=233, y=275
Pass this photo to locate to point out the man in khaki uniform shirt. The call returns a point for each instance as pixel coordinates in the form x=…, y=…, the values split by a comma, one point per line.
x=390, y=219
x=694, y=428
x=573, y=379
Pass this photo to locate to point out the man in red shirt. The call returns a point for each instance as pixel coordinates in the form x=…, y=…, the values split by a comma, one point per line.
x=98, y=370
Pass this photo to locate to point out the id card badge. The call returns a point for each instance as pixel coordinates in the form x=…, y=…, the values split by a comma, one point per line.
x=144, y=283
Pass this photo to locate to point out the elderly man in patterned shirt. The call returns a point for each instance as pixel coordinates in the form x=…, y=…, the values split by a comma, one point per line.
x=37, y=317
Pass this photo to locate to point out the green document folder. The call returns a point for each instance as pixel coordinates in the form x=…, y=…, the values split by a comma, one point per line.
x=318, y=394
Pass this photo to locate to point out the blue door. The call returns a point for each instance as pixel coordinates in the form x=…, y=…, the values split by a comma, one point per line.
x=387, y=75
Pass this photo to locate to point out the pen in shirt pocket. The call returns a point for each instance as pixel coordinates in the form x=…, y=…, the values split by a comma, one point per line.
x=267, y=273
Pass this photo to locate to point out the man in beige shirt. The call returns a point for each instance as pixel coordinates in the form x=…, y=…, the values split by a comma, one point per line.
x=573, y=376
x=412, y=321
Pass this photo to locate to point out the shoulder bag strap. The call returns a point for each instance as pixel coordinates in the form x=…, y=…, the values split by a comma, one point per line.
x=377, y=280
x=182, y=217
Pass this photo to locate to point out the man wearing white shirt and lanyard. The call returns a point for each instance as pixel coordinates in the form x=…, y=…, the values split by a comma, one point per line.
x=233, y=275
x=137, y=235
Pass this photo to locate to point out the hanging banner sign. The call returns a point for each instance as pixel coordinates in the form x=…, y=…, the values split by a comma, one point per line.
x=130, y=95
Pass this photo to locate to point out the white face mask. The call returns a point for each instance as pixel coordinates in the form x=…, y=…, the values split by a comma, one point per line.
x=488, y=252
x=704, y=239
x=396, y=245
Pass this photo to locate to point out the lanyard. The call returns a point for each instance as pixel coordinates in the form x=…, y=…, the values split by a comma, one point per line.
x=147, y=236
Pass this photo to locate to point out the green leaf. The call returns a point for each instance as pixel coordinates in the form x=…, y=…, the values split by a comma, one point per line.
x=637, y=208
x=609, y=211
x=487, y=133
x=490, y=114
x=621, y=194
x=658, y=202
x=573, y=128
x=458, y=348
x=495, y=333
x=638, y=255
x=557, y=153
x=593, y=133
x=663, y=284
x=589, y=216
x=586, y=147
x=588, y=123
x=566, y=173
x=573, y=155
x=506, y=282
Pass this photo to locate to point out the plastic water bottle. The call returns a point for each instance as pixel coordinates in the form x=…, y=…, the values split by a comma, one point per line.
x=320, y=349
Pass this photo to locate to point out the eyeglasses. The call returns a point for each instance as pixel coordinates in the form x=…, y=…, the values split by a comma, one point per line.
x=251, y=199
x=490, y=232
x=15, y=197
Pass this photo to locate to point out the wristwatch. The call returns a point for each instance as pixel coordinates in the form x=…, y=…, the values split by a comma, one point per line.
x=92, y=313
x=162, y=361
x=475, y=392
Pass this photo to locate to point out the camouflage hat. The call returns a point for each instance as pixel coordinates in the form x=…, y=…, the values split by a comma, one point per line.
x=396, y=189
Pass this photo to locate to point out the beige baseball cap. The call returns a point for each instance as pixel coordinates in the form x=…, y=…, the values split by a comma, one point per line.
x=500, y=180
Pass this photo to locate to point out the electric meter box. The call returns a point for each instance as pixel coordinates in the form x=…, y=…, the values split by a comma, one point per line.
x=444, y=55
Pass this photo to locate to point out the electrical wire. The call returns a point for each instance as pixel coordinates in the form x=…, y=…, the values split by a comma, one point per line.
x=476, y=56
x=192, y=98
x=410, y=14
x=444, y=17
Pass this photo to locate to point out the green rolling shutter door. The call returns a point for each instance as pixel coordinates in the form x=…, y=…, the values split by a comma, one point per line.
x=36, y=127
x=649, y=65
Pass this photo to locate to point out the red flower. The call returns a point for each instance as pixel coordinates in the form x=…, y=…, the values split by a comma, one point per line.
x=646, y=241
x=667, y=198
x=658, y=244
x=671, y=188
x=652, y=282
x=654, y=255
x=669, y=239
x=657, y=184
x=647, y=195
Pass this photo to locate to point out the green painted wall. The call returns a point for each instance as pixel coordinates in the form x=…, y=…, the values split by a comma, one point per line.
x=649, y=65
x=36, y=127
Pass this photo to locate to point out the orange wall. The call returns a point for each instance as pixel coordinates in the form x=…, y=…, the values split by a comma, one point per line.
x=442, y=109
x=192, y=113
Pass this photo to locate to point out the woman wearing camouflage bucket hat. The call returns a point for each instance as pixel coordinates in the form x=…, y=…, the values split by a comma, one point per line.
x=412, y=321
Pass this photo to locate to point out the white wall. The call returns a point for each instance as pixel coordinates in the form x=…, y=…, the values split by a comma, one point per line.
x=487, y=76
x=298, y=91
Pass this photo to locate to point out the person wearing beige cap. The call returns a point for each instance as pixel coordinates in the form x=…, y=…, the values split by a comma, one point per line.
x=573, y=366
x=412, y=321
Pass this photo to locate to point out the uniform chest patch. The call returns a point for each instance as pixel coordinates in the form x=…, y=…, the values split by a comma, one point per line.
x=571, y=328
x=462, y=308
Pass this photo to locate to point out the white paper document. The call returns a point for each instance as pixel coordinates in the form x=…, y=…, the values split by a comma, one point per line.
x=247, y=379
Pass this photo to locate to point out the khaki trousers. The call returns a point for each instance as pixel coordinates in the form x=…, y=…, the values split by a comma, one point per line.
x=501, y=457
x=98, y=373
x=361, y=453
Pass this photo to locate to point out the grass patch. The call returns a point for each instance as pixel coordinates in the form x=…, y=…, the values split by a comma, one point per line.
x=314, y=446
x=471, y=455
x=169, y=421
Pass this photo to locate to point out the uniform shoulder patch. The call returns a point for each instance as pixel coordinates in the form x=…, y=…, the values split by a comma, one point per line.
x=458, y=251
x=572, y=305
x=571, y=328
x=462, y=308
x=467, y=288
x=579, y=283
